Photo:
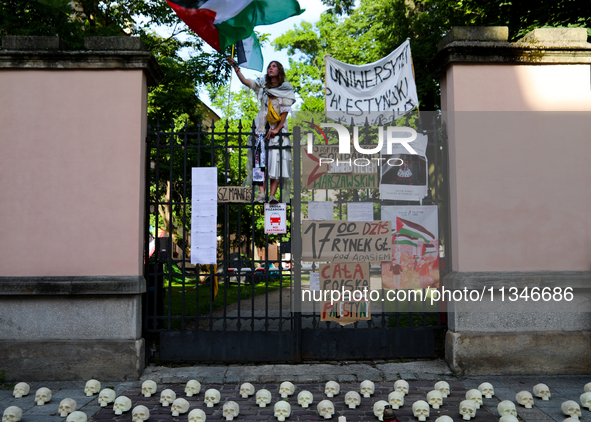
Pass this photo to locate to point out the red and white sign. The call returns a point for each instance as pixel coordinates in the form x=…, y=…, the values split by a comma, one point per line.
x=275, y=215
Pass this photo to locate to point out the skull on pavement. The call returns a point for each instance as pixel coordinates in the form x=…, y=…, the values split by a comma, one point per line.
x=67, y=406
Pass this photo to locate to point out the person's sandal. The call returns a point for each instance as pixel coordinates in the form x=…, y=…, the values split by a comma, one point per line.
x=260, y=199
x=273, y=200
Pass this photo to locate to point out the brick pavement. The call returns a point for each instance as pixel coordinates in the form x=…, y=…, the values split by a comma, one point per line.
x=420, y=375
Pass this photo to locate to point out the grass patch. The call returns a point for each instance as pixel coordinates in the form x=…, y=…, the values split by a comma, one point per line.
x=198, y=299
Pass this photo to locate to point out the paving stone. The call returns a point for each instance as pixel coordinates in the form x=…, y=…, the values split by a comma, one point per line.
x=299, y=379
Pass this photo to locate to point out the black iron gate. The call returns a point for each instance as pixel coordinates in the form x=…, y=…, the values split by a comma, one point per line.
x=244, y=309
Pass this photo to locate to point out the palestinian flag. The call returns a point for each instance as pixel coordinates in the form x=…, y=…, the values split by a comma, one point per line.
x=428, y=248
x=409, y=228
x=249, y=53
x=402, y=239
x=222, y=23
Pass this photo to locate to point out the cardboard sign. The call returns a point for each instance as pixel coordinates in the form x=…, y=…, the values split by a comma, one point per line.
x=345, y=276
x=234, y=194
x=275, y=215
x=345, y=312
x=346, y=241
x=347, y=174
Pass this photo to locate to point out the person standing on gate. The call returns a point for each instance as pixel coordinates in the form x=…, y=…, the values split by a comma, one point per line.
x=275, y=97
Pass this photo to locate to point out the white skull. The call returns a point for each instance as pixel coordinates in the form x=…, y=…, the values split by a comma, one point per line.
x=486, y=389
x=92, y=387
x=246, y=390
x=332, y=388
x=67, y=406
x=325, y=409
x=197, y=415
x=444, y=418
x=571, y=408
x=12, y=414
x=106, y=396
x=122, y=404
x=282, y=410
x=77, y=417
x=542, y=391
x=506, y=407
x=476, y=396
x=435, y=399
x=401, y=386
x=192, y=388
x=230, y=410
x=167, y=397
x=467, y=409
x=286, y=389
x=140, y=413
x=263, y=397
x=525, y=399
x=443, y=387
x=42, y=396
x=508, y=418
x=367, y=388
x=421, y=410
x=378, y=409
x=149, y=387
x=585, y=400
x=21, y=389
x=352, y=399
x=305, y=398
x=212, y=397
x=396, y=399
x=179, y=406
x=587, y=387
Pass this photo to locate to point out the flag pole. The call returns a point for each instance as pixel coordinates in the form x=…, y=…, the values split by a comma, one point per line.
x=325, y=109
x=230, y=87
x=413, y=76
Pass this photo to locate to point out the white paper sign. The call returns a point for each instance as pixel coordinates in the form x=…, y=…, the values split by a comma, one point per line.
x=360, y=211
x=380, y=91
x=275, y=215
x=204, y=215
x=320, y=210
x=314, y=281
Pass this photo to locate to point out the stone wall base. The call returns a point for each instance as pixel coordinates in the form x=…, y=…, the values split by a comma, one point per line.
x=67, y=360
x=540, y=353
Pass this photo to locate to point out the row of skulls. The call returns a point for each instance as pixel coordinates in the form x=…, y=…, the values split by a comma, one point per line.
x=282, y=409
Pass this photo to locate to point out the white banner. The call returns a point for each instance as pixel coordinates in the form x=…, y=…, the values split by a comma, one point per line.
x=380, y=91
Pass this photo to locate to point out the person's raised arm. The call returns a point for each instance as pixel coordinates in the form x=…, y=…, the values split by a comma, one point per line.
x=244, y=81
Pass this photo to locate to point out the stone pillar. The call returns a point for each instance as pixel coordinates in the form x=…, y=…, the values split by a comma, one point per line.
x=518, y=119
x=72, y=141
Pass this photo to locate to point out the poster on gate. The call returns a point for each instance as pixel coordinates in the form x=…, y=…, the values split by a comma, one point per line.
x=415, y=248
x=407, y=179
x=275, y=215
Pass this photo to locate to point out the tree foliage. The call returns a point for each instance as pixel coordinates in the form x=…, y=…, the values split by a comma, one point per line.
x=373, y=29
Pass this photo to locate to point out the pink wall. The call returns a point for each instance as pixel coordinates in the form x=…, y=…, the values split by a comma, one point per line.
x=519, y=158
x=72, y=172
